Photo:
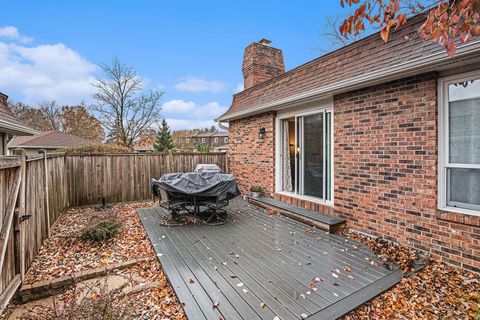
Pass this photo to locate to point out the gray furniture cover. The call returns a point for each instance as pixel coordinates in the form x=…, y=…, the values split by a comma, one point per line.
x=197, y=184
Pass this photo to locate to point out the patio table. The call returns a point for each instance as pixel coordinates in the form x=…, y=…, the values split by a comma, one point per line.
x=196, y=187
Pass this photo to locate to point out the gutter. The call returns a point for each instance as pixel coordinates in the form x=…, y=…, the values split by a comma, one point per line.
x=17, y=128
x=33, y=147
x=391, y=73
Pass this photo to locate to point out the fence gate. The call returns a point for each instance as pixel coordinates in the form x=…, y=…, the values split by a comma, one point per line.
x=12, y=204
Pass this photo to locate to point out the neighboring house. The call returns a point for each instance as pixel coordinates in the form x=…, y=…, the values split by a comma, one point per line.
x=10, y=126
x=214, y=140
x=385, y=135
x=143, y=149
x=48, y=140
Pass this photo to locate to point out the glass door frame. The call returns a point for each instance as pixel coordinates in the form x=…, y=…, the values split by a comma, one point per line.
x=298, y=187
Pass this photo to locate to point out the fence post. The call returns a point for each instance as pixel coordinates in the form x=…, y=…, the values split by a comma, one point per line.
x=170, y=162
x=21, y=209
x=47, y=200
x=226, y=162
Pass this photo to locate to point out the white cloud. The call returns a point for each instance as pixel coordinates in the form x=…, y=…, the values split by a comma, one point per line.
x=178, y=106
x=200, y=85
x=238, y=87
x=12, y=33
x=48, y=71
x=182, y=114
x=180, y=124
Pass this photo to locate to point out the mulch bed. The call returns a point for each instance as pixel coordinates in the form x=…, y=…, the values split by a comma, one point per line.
x=438, y=291
x=65, y=254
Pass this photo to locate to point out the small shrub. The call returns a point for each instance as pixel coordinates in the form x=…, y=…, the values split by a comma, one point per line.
x=98, y=148
x=255, y=189
x=101, y=229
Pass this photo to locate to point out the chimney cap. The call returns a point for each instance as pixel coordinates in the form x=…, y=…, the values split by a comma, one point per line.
x=265, y=41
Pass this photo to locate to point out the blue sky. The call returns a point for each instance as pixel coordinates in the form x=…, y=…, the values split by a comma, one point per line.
x=192, y=50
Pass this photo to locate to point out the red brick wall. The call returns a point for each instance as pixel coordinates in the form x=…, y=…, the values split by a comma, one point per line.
x=251, y=159
x=386, y=170
x=261, y=63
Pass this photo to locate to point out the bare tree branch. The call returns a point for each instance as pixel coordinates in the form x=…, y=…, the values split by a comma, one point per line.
x=123, y=109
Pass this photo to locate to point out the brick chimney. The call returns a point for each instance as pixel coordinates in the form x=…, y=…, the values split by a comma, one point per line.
x=261, y=63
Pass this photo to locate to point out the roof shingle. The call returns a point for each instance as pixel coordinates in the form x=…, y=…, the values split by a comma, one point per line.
x=366, y=55
x=49, y=139
x=8, y=117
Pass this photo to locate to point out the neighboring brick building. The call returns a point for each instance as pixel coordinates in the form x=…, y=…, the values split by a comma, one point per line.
x=215, y=141
x=361, y=133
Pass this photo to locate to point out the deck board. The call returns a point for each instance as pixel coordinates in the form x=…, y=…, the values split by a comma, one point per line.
x=274, y=257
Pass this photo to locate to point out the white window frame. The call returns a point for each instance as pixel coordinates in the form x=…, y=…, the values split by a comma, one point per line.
x=225, y=139
x=443, y=146
x=326, y=106
x=203, y=140
x=215, y=140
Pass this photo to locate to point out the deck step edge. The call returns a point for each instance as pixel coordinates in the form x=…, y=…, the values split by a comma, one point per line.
x=327, y=223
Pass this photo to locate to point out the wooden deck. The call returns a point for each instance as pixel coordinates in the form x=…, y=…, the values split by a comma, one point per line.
x=261, y=267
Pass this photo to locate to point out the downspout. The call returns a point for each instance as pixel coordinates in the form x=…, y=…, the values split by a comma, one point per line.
x=220, y=125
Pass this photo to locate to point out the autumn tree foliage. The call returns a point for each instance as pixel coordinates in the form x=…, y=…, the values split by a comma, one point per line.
x=78, y=121
x=43, y=117
x=50, y=116
x=147, y=137
x=445, y=20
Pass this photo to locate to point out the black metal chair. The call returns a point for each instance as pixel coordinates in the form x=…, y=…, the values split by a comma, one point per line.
x=217, y=215
x=173, y=205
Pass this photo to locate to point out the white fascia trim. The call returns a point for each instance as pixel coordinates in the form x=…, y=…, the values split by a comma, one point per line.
x=40, y=147
x=395, y=72
x=16, y=128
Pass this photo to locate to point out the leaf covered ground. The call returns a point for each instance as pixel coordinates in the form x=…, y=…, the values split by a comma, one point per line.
x=438, y=291
x=65, y=254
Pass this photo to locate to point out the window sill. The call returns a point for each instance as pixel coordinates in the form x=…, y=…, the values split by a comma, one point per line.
x=459, y=215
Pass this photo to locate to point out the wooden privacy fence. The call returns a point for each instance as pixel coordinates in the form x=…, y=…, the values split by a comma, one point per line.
x=126, y=177
x=32, y=196
x=35, y=192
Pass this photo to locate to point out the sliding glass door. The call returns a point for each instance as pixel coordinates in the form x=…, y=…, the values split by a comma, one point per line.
x=308, y=164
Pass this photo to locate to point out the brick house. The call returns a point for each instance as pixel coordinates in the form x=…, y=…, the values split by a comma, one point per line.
x=216, y=141
x=386, y=136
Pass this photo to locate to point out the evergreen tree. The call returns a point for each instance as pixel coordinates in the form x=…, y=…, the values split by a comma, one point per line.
x=203, y=148
x=164, y=141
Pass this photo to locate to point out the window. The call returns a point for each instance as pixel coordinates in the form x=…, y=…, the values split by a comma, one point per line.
x=203, y=140
x=459, y=144
x=304, y=155
x=225, y=140
x=215, y=140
